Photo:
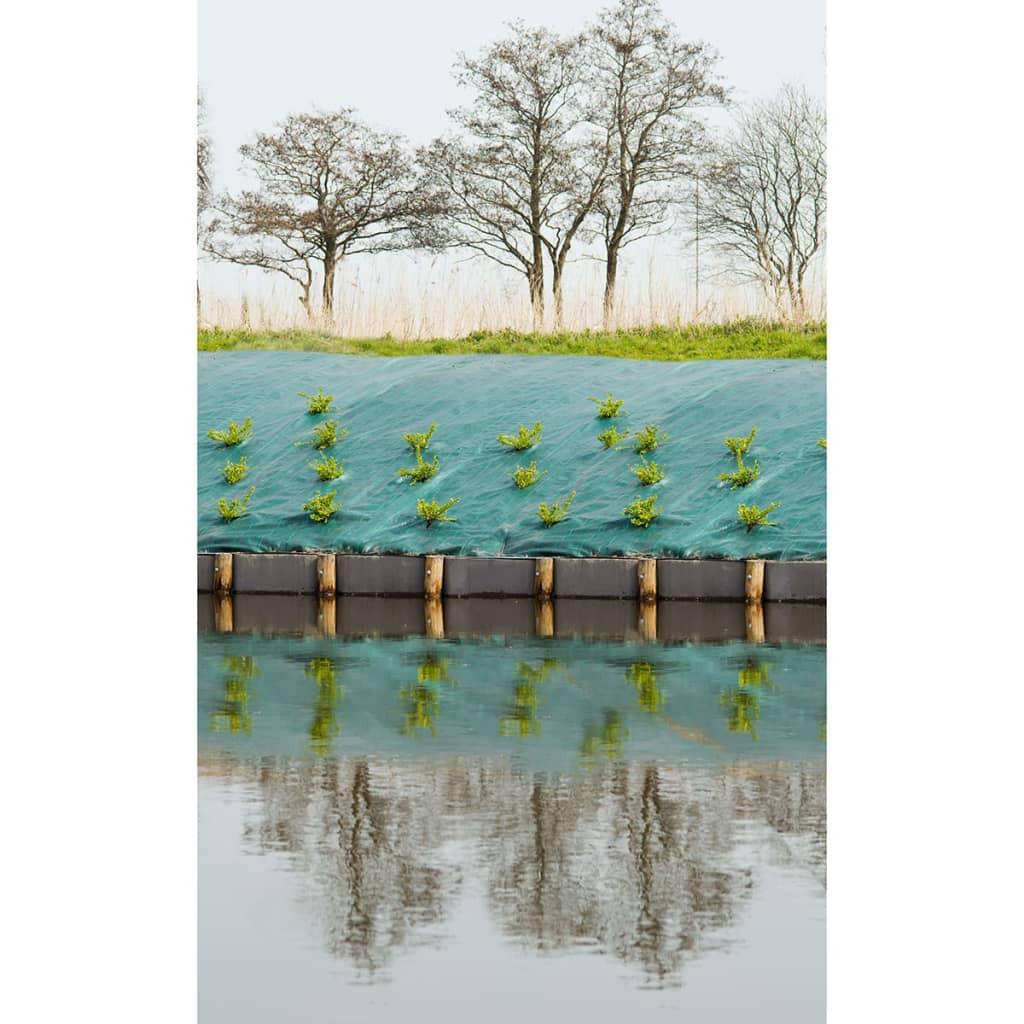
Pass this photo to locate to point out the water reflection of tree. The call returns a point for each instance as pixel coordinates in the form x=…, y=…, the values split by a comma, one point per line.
x=644, y=677
x=743, y=701
x=422, y=701
x=605, y=740
x=325, y=725
x=520, y=715
x=638, y=860
x=231, y=713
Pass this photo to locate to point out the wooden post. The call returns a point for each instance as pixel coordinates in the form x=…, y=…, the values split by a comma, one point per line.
x=223, y=613
x=544, y=577
x=326, y=568
x=223, y=573
x=647, y=621
x=327, y=614
x=755, y=580
x=433, y=618
x=544, y=616
x=433, y=577
x=647, y=577
x=755, y=623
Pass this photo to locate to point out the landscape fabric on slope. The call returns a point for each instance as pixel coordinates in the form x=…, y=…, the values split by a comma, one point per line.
x=473, y=399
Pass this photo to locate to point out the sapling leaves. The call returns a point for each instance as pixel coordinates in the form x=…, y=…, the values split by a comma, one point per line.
x=648, y=472
x=322, y=506
x=418, y=442
x=434, y=512
x=555, y=512
x=422, y=470
x=327, y=468
x=753, y=516
x=525, y=437
x=744, y=474
x=642, y=511
x=739, y=446
x=608, y=407
x=527, y=476
x=648, y=438
x=235, y=471
x=317, y=403
x=612, y=437
x=234, y=433
x=236, y=508
x=325, y=435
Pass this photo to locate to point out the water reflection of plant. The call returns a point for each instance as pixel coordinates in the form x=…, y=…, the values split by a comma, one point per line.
x=605, y=740
x=743, y=701
x=325, y=725
x=231, y=715
x=644, y=677
x=422, y=701
x=521, y=715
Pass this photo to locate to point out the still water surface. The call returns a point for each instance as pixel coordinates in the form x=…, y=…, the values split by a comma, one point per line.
x=490, y=829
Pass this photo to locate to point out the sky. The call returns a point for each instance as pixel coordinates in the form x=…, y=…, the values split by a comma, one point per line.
x=260, y=60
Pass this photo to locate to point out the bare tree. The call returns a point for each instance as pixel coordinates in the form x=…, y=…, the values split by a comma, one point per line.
x=329, y=187
x=523, y=183
x=204, y=181
x=765, y=194
x=648, y=85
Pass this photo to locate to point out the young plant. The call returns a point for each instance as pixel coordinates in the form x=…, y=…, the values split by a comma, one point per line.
x=422, y=471
x=822, y=443
x=325, y=435
x=526, y=437
x=321, y=506
x=753, y=516
x=235, y=433
x=317, y=403
x=556, y=512
x=328, y=468
x=648, y=472
x=744, y=474
x=236, y=508
x=235, y=471
x=527, y=476
x=642, y=511
x=612, y=438
x=434, y=512
x=608, y=407
x=417, y=442
x=648, y=438
x=739, y=446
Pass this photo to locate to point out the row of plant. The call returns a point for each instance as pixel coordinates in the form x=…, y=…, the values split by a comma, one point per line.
x=641, y=512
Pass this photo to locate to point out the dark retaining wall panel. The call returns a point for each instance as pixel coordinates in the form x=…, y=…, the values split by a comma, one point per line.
x=275, y=574
x=205, y=574
x=379, y=616
x=276, y=613
x=795, y=581
x=791, y=623
x=597, y=618
x=701, y=621
x=488, y=577
x=701, y=579
x=380, y=574
x=596, y=577
x=485, y=617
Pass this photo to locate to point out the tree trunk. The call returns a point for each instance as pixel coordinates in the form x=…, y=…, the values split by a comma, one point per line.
x=327, y=302
x=610, y=273
x=556, y=290
x=536, y=281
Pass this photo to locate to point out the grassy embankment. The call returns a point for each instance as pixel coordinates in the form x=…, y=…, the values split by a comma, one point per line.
x=742, y=339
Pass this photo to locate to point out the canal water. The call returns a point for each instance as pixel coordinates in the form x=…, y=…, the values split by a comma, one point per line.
x=494, y=828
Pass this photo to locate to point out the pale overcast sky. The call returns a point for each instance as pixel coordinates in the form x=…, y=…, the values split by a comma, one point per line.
x=260, y=60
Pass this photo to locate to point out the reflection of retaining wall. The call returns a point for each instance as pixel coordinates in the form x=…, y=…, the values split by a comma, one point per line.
x=404, y=575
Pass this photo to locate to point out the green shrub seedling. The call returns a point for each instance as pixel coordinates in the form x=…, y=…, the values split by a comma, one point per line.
x=317, y=403
x=418, y=442
x=328, y=468
x=526, y=437
x=642, y=511
x=608, y=407
x=434, y=512
x=744, y=474
x=236, y=508
x=647, y=439
x=612, y=438
x=321, y=506
x=822, y=443
x=235, y=471
x=235, y=433
x=556, y=512
x=527, y=476
x=739, y=446
x=648, y=472
x=325, y=435
x=753, y=516
x=422, y=471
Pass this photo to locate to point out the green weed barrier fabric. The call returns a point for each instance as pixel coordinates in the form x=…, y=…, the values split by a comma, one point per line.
x=556, y=703
x=473, y=399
